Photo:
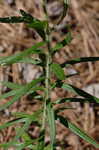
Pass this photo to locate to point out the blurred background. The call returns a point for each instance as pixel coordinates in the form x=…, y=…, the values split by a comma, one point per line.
x=83, y=19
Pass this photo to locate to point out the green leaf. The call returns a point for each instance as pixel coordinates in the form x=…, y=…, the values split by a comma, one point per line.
x=12, y=122
x=28, y=18
x=39, y=26
x=77, y=131
x=8, y=94
x=70, y=99
x=58, y=71
x=16, y=88
x=21, y=55
x=5, y=145
x=21, y=115
x=10, y=85
x=52, y=126
x=26, y=137
x=19, y=146
x=80, y=60
x=80, y=92
x=63, y=43
x=33, y=116
x=14, y=99
x=25, y=18
x=12, y=19
x=20, y=92
x=34, y=89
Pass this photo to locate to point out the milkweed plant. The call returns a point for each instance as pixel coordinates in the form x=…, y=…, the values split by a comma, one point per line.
x=48, y=114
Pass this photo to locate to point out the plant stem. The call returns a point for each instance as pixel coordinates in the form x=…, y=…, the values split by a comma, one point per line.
x=48, y=61
x=47, y=67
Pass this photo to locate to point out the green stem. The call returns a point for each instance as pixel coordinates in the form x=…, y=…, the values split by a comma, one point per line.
x=48, y=61
x=47, y=67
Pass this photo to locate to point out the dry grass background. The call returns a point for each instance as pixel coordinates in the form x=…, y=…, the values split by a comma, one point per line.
x=83, y=17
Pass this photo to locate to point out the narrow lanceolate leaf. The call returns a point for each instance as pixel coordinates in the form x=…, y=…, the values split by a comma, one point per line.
x=20, y=92
x=33, y=116
x=16, y=91
x=21, y=115
x=17, y=145
x=58, y=71
x=10, y=85
x=70, y=99
x=21, y=55
x=63, y=43
x=77, y=131
x=25, y=17
x=8, y=94
x=6, y=145
x=80, y=60
x=80, y=92
x=51, y=121
x=10, y=102
x=12, y=122
x=12, y=19
x=15, y=88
